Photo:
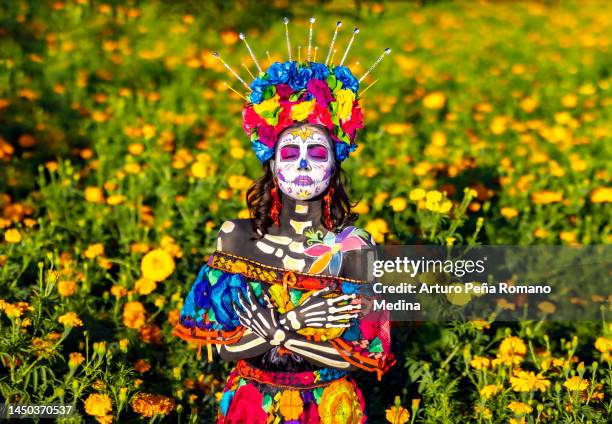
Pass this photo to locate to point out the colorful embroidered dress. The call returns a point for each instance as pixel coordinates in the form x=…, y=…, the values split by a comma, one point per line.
x=283, y=387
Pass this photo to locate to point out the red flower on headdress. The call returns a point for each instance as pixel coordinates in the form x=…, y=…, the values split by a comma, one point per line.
x=284, y=118
x=251, y=120
x=354, y=123
x=320, y=90
x=320, y=115
x=246, y=407
x=266, y=135
x=284, y=91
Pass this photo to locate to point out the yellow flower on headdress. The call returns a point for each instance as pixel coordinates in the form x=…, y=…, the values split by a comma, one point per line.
x=301, y=111
x=267, y=109
x=345, y=99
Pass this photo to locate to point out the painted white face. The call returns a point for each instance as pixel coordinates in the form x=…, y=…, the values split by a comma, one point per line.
x=303, y=162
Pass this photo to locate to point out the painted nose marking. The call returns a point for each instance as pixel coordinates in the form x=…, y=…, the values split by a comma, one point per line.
x=303, y=164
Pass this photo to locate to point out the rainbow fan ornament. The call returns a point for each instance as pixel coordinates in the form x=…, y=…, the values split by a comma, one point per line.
x=303, y=91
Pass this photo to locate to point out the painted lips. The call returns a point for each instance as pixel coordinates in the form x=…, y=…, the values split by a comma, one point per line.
x=303, y=180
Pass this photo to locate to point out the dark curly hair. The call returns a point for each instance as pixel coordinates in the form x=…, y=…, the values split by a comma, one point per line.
x=259, y=198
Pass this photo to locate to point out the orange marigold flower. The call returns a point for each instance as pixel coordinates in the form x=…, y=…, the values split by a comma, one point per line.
x=98, y=404
x=149, y=404
x=134, y=315
x=66, y=288
x=142, y=366
x=70, y=319
x=75, y=359
x=144, y=286
x=94, y=250
x=546, y=197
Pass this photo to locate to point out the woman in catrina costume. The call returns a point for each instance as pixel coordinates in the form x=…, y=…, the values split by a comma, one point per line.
x=286, y=293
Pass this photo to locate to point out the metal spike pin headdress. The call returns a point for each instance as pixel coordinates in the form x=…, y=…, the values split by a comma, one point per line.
x=303, y=91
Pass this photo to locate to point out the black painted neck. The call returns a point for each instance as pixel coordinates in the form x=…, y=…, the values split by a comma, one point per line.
x=291, y=209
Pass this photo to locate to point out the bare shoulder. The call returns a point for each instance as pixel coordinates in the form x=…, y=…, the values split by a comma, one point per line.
x=234, y=235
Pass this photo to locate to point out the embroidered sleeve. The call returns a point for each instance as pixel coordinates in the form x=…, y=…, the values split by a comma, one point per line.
x=367, y=343
x=208, y=315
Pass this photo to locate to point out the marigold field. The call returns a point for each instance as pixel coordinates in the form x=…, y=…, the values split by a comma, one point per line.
x=121, y=153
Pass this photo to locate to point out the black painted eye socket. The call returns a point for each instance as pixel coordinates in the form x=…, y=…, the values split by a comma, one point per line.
x=289, y=152
x=317, y=152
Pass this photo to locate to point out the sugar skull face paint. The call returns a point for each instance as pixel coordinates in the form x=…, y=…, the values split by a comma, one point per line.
x=303, y=162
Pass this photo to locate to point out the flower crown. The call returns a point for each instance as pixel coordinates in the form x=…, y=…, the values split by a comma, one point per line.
x=303, y=91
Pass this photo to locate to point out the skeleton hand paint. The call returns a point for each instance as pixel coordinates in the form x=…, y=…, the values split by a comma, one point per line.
x=259, y=319
x=304, y=162
x=317, y=311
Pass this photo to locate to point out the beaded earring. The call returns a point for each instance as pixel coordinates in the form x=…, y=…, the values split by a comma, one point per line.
x=327, y=202
x=276, y=205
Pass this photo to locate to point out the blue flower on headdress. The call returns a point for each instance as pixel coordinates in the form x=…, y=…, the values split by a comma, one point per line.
x=319, y=70
x=343, y=150
x=262, y=151
x=348, y=80
x=258, y=86
x=279, y=73
x=300, y=77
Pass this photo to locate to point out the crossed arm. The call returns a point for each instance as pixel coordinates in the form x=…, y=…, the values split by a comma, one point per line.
x=267, y=329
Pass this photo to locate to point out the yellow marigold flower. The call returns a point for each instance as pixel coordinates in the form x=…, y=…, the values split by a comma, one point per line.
x=118, y=291
x=94, y=195
x=132, y=168
x=417, y=194
x=377, y=228
x=145, y=286
x=66, y=288
x=157, y=265
x=509, y=213
x=601, y=195
x=546, y=197
x=134, y=315
x=528, y=381
x=569, y=101
x=239, y=182
x=540, y=233
x=603, y=344
x=70, y=319
x=520, y=408
x=361, y=207
x=12, y=235
x=499, y=125
x=75, y=359
x=568, y=236
x=115, y=199
x=12, y=311
x=149, y=405
x=397, y=415
x=480, y=362
x=490, y=390
x=123, y=345
x=433, y=196
x=483, y=411
x=398, y=204
x=202, y=169
x=576, y=384
x=237, y=152
x=98, y=404
x=136, y=148
x=94, y=250
x=511, y=346
x=435, y=100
